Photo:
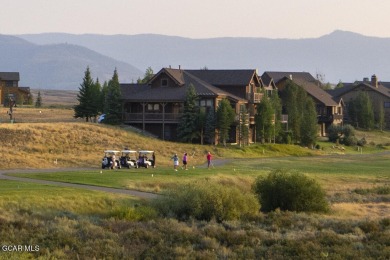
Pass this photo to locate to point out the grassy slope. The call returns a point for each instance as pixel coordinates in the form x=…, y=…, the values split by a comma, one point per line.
x=80, y=144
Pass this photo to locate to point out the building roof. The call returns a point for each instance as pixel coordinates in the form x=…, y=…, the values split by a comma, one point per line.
x=14, y=76
x=306, y=81
x=279, y=75
x=347, y=87
x=225, y=77
x=183, y=78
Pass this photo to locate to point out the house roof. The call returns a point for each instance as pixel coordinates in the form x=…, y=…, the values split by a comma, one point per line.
x=225, y=77
x=183, y=78
x=306, y=81
x=279, y=75
x=347, y=87
x=9, y=76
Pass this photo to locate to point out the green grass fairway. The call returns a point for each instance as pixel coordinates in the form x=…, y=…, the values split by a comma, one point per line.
x=329, y=170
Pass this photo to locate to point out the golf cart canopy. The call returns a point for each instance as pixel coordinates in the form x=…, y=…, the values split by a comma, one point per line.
x=128, y=151
x=145, y=152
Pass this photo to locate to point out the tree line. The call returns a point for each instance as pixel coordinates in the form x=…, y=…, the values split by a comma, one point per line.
x=95, y=99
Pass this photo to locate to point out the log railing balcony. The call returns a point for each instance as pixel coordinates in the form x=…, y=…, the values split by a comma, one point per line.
x=152, y=117
x=254, y=97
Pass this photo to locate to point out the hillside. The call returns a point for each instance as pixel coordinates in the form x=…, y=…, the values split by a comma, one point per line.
x=58, y=66
x=338, y=56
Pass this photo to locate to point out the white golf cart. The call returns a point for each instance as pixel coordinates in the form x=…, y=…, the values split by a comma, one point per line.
x=111, y=159
x=145, y=159
x=129, y=159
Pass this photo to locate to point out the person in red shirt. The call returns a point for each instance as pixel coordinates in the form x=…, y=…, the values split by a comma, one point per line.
x=208, y=160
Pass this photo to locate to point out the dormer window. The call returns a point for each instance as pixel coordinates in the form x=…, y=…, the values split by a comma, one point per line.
x=164, y=82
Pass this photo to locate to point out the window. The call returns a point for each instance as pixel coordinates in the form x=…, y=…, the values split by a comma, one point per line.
x=206, y=103
x=387, y=104
x=153, y=107
x=164, y=82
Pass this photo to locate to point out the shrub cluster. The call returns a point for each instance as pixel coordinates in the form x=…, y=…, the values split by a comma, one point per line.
x=205, y=201
x=290, y=191
x=342, y=134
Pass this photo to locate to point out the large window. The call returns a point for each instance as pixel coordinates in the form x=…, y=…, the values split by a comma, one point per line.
x=153, y=107
x=206, y=103
x=387, y=104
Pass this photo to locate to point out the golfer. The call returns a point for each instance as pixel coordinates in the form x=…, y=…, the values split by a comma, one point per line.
x=208, y=160
x=175, y=161
x=185, y=161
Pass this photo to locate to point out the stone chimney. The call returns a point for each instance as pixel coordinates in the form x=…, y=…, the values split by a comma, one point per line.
x=374, y=81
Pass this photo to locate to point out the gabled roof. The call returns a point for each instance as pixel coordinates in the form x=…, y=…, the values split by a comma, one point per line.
x=14, y=76
x=225, y=77
x=183, y=79
x=279, y=75
x=175, y=74
x=347, y=87
x=306, y=81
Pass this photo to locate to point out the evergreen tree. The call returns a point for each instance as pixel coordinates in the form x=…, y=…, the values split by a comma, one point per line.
x=96, y=100
x=103, y=97
x=201, y=123
x=380, y=120
x=113, y=101
x=243, y=126
x=264, y=120
x=225, y=118
x=300, y=112
x=147, y=76
x=277, y=106
x=292, y=98
x=309, y=128
x=188, y=126
x=361, y=111
x=84, y=97
x=38, y=102
x=210, y=126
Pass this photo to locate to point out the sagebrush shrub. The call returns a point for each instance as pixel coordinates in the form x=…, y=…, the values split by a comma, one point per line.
x=290, y=191
x=205, y=201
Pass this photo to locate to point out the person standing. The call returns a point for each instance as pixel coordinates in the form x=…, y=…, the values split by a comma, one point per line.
x=175, y=159
x=185, y=161
x=208, y=160
x=154, y=160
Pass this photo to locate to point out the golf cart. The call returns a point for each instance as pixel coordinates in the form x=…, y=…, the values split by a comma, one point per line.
x=129, y=159
x=145, y=159
x=110, y=159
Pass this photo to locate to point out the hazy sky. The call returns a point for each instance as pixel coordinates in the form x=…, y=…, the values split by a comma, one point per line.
x=197, y=18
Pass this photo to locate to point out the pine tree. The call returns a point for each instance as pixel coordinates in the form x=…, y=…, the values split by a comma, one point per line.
x=309, y=127
x=225, y=118
x=96, y=104
x=361, y=112
x=38, y=102
x=84, y=108
x=147, y=76
x=264, y=120
x=277, y=106
x=187, y=129
x=210, y=125
x=243, y=126
x=113, y=101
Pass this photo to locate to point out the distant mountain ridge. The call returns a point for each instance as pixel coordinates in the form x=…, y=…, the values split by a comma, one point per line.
x=340, y=55
x=58, y=66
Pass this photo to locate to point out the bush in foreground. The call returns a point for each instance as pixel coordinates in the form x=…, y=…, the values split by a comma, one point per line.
x=290, y=191
x=205, y=201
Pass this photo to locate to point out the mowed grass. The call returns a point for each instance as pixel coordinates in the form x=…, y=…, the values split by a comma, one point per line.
x=46, y=200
